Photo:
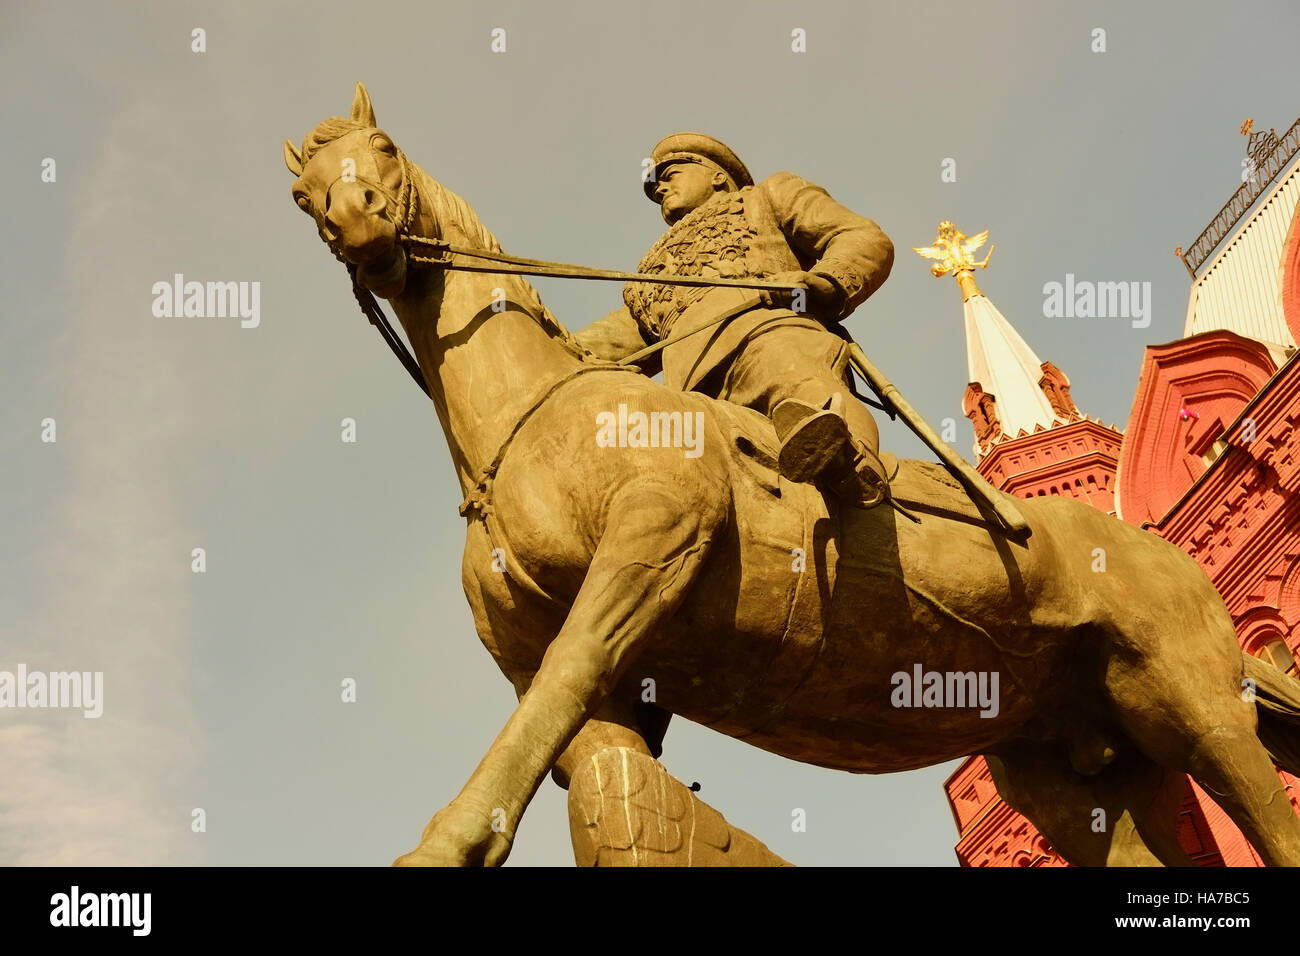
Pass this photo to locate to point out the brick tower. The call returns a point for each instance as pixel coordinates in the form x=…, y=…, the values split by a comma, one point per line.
x=1030, y=439
x=1210, y=459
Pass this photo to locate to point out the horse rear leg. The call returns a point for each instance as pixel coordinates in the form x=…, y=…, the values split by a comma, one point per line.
x=1234, y=768
x=1125, y=815
x=1186, y=709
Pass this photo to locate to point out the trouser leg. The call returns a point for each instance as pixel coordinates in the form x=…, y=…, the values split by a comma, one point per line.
x=798, y=376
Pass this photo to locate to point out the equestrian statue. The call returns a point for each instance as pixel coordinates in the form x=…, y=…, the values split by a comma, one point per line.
x=733, y=547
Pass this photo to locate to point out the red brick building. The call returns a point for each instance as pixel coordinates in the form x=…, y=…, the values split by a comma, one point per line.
x=1209, y=460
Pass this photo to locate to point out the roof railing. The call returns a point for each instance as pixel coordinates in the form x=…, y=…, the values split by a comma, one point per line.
x=1267, y=154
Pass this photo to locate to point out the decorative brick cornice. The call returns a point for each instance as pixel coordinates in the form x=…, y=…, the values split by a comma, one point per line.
x=1057, y=389
x=1076, y=460
x=982, y=410
x=1004, y=838
x=1188, y=390
x=1246, y=507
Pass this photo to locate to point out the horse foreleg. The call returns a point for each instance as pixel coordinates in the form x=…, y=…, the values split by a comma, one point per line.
x=654, y=543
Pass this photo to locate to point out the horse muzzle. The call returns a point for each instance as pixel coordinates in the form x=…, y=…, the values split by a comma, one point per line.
x=357, y=222
x=358, y=229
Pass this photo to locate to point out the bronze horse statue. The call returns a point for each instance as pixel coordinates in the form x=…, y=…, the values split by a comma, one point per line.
x=617, y=585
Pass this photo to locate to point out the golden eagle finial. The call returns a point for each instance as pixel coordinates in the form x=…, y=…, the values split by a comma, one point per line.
x=954, y=252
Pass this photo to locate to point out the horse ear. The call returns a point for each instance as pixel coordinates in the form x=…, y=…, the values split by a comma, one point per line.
x=292, y=158
x=362, y=111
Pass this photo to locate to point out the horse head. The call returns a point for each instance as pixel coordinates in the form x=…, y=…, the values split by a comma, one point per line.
x=359, y=188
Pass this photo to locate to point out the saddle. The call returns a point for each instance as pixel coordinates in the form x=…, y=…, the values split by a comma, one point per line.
x=915, y=485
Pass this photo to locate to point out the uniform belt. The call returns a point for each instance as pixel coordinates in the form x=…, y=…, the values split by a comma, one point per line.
x=750, y=302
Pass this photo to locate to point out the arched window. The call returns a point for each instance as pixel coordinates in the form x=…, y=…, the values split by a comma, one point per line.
x=1275, y=651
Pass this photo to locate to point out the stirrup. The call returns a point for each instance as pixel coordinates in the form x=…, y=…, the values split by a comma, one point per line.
x=865, y=484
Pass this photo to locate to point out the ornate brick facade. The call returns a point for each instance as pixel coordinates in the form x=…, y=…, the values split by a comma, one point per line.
x=1210, y=461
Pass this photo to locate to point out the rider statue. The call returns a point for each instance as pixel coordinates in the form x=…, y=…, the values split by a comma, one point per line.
x=789, y=366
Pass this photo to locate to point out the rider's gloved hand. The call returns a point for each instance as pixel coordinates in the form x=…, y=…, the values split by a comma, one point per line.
x=823, y=297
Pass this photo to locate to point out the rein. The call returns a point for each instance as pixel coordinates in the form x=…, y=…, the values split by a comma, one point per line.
x=370, y=308
x=565, y=270
x=407, y=200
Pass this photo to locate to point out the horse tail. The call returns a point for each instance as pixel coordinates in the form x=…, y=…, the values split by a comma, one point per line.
x=1277, y=700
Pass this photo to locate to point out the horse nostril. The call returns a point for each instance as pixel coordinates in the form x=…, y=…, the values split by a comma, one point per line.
x=329, y=225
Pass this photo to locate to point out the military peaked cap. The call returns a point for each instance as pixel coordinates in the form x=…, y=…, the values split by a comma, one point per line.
x=691, y=148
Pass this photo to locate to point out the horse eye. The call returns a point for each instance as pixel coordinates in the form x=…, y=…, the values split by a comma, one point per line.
x=382, y=143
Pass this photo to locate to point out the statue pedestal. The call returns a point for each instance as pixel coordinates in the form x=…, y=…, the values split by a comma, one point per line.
x=625, y=809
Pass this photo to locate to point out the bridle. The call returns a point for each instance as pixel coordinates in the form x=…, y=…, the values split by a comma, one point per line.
x=478, y=499
x=438, y=253
x=408, y=201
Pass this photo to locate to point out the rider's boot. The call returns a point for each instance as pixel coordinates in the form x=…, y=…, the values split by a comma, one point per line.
x=816, y=444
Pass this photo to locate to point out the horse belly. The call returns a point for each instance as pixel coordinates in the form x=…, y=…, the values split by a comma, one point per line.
x=931, y=650
x=885, y=649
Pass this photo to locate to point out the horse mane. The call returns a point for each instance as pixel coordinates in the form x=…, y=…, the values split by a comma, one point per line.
x=326, y=132
x=449, y=207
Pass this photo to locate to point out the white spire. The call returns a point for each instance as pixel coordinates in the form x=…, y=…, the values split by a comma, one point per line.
x=1001, y=362
x=998, y=359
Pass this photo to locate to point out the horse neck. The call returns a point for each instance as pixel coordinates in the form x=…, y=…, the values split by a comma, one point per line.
x=485, y=368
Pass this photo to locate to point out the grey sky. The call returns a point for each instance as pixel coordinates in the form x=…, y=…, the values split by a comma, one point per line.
x=329, y=560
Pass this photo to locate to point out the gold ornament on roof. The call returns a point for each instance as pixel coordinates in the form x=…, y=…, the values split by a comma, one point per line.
x=953, y=251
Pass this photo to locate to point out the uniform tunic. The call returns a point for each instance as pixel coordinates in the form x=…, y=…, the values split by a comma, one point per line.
x=781, y=224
